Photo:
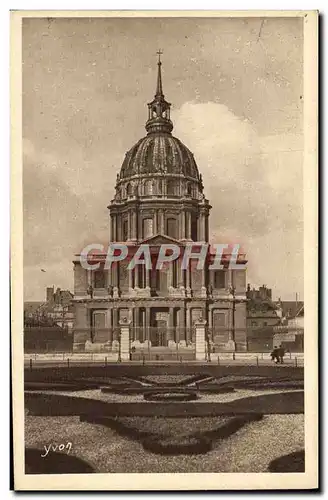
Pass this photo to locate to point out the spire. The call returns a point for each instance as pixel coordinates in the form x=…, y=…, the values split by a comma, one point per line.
x=159, y=88
x=159, y=109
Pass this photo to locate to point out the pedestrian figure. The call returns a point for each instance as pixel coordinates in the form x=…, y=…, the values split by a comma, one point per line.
x=275, y=355
x=281, y=354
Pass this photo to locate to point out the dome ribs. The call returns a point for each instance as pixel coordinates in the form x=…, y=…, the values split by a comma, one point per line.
x=159, y=153
x=163, y=154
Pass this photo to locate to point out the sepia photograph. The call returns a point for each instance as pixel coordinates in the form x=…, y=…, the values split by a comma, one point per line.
x=164, y=263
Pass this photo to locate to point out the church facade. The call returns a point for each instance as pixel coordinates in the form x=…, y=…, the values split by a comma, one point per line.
x=159, y=199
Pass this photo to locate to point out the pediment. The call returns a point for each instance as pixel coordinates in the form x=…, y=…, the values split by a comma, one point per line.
x=160, y=239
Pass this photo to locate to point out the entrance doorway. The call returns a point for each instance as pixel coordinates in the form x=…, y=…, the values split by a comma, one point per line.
x=159, y=327
x=159, y=336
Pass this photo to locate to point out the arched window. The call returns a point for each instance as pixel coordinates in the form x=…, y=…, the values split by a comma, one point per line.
x=147, y=228
x=148, y=187
x=171, y=228
x=171, y=187
x=189, y=189
x=129, y=189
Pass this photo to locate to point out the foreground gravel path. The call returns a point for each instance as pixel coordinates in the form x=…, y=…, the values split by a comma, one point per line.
x=249, y=450
x=136, y=398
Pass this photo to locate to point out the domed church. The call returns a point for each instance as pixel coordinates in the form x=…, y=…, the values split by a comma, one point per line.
x=159, y=199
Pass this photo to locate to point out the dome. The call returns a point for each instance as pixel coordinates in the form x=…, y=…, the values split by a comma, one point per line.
x=159, y=153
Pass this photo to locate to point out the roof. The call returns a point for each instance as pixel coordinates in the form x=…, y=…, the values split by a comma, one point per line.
x=31, y=307
x=159, y=153
x=65, y=296
x=291, y=308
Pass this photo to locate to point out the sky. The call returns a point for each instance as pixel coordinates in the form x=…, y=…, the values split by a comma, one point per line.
x=236, y=87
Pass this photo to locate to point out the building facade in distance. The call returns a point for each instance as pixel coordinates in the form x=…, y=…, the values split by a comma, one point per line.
x=159, y=199
x=56, y=310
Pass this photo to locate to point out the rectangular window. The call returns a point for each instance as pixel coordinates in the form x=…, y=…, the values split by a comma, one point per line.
x=219, y=279
x=125, y=230
x=239, y=279
x=171, y=228
x=147, y=228
x=98, y=324
x=194, y=224
x=141, y=276
x=219, y=320
x=99, y=279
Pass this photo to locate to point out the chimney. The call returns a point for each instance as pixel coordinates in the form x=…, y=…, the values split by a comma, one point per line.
x=57, y=296
x=50, y=295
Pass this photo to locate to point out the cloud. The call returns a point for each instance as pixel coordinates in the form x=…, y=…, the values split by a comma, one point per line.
x=57, y=221
x=255, y=186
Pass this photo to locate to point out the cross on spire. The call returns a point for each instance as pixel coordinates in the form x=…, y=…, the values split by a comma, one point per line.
x=159, y=53
x=159, y=88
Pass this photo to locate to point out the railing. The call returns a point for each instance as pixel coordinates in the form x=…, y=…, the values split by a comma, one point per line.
x=175, y=338
x=156, y=355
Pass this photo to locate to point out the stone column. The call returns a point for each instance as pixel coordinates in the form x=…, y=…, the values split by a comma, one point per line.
x=188, y=326
x=188, y=281
x=182, y=324
x=229, y=281
x=134, y=225
x=130, y=271
x=125, y=340
x=147, y=324
x=170, y=333
x=115, y=323
x=204, y=289
x=109, y=325
x=188, y=216
x=161, y=221
x=210, y=318
x=109, y=280
x=135, y=323
x=201, y=227
x=200, y=339
x=170, y=275
x=181, y=277
x=129, y=225
x=182, y=225
x=155, y=230
x=147, y=277
x=114, y=235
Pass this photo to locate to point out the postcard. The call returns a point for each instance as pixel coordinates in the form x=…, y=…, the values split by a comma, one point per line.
x=164, y=250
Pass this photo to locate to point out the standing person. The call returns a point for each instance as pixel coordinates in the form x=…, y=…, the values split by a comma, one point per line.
x=274, y=355
x=281, y=354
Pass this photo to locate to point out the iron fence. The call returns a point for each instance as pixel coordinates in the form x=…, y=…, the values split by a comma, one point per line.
x=152, y=342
